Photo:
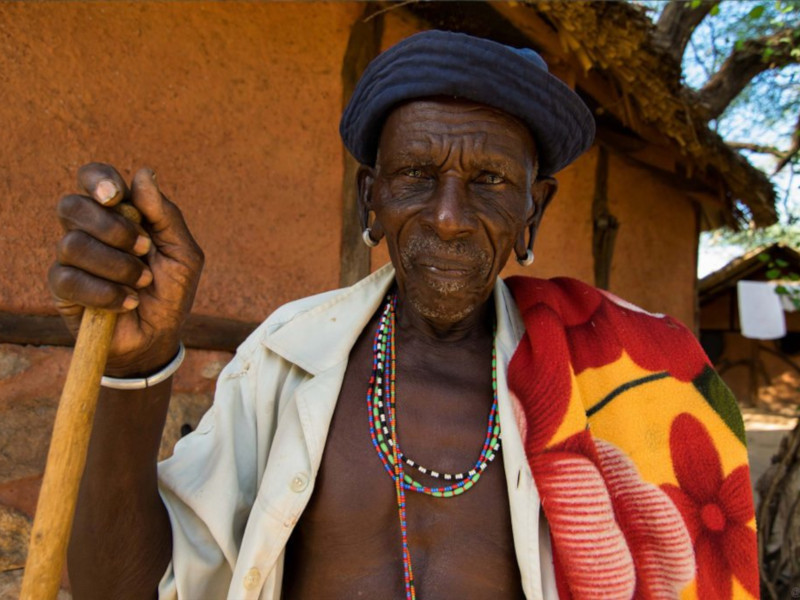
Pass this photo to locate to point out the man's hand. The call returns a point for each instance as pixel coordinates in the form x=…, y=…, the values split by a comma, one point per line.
x=148, y=273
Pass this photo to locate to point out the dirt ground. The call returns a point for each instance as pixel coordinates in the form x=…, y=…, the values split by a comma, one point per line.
x=766, y=424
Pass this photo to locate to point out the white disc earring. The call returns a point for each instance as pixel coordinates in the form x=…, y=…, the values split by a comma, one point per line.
x=365, y=235
x=528, y=260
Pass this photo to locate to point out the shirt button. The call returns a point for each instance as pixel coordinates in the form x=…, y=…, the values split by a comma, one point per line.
x=299, y=482
x=251, y=579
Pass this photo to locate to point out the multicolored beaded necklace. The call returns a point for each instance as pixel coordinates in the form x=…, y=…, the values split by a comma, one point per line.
x=381, y=405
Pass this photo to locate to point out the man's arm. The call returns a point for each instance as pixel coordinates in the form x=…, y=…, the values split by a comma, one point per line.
x=121, y=539
x=148, y=273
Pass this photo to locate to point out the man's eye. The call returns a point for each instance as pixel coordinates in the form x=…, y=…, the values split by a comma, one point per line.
x=414, y=173
x=491, y=178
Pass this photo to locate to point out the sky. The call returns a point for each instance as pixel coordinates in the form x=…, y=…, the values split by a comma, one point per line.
x=713, y=257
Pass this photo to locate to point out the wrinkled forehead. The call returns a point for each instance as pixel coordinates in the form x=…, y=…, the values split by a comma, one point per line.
x=440, y=125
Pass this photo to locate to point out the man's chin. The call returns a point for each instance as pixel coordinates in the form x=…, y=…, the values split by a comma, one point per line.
x=445, y=301
x=442, y=313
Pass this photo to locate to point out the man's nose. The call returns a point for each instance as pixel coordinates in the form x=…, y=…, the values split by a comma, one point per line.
x=450, y=214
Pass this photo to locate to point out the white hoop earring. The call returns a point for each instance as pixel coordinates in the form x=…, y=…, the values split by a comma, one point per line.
x=528, y=260
x=365, y=235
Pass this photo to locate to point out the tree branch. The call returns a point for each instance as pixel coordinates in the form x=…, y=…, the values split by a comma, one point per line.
x=758, y=148
x=793, y=149
x=752, y=57
x=676, y=24
x=784, y=156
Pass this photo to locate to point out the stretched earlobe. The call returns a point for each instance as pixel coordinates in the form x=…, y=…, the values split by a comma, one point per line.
x=524, y=252
x=542, y=192
x=371, y=233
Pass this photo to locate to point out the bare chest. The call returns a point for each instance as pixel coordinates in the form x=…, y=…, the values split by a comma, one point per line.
x=347, y=544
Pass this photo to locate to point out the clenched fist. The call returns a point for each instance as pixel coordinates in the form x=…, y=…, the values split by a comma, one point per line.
x=147, y=272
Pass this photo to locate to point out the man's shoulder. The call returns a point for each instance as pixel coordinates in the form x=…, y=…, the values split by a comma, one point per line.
x=285, y=314
x=321, y=316
x=595, y=327
x=566, y=295
x=289, y=311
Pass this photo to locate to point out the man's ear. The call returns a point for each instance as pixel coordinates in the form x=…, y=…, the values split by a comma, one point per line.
x=542, y=192
x=365, y=179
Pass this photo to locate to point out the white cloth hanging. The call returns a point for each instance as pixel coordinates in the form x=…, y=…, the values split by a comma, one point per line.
x=760, y=311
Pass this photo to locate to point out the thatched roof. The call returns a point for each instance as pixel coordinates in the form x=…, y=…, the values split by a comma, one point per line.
x=635, y=90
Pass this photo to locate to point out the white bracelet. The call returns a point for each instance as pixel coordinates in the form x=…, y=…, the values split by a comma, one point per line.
x=140, y=383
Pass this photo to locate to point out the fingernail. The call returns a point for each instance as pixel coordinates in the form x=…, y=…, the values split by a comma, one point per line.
x=106, y=191
x=145, y=279
x=130, y=303
x=142, y=245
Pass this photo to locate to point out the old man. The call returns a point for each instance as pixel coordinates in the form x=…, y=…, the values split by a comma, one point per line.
x=431, y=431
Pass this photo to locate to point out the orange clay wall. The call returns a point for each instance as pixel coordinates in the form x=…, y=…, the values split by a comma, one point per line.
x=655, y=256
x=235, y=106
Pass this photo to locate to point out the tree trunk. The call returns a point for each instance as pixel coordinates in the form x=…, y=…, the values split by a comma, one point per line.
x=677, y=23
x=779, y=521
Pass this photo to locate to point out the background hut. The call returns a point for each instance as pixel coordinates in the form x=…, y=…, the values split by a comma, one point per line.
x=763, y=372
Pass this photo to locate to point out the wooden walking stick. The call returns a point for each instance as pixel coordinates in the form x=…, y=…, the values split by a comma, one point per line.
x=67, y=455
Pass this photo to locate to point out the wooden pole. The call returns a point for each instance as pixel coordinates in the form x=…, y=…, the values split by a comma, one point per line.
x=69, y=445
x=67, y=457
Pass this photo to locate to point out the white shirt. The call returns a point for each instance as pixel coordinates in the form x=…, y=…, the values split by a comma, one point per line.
x=235, y=487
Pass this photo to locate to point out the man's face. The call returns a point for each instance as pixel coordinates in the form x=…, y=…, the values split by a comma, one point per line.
x=453, y=191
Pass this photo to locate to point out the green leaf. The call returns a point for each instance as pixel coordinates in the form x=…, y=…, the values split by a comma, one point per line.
x=794, y=276
x=695, y=3
x=773, y=273
x=781, y=263
x=739, y=44
x=763, y=257
x=780, y=289
x=756, y=11
x=715, y=10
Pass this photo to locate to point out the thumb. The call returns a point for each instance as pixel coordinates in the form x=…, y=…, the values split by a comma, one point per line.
x=164, y=219
x=146, y=196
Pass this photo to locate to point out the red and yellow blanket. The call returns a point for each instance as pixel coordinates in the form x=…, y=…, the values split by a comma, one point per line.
x=637, y=449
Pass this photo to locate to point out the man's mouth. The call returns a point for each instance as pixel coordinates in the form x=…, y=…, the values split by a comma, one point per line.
x=445, y=267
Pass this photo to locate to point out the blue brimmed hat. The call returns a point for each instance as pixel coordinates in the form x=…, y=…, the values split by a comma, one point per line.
x=442, y=63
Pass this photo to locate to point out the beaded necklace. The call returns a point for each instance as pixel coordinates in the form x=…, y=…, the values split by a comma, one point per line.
x=381, y=405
